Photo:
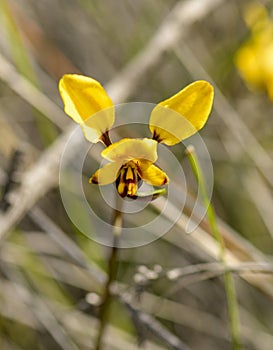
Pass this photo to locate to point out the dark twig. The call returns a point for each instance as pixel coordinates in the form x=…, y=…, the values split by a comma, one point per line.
x=153, y=325
x=215, y=269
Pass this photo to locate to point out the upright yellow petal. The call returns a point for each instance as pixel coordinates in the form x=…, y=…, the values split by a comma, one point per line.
x=83, y=98
x=106, y=175
x=128, y=149
x=152, y=174
x=183, y=114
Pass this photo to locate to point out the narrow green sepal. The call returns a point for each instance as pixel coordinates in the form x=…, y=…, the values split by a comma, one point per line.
x=152, y=195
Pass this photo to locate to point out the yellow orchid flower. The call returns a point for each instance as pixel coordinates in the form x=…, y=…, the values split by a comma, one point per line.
x=254, y=58
x=132, y=160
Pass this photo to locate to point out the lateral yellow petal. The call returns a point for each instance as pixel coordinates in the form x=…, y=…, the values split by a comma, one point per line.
x=106, y=175
x=152, y=174
x=83, y=98
x=128, y=149
x=183, y=114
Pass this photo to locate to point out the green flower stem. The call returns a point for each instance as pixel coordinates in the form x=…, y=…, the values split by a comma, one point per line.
x=112, y=269
x=228, y=278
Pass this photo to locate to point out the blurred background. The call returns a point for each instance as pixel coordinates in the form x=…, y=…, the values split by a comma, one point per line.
x=51, y=275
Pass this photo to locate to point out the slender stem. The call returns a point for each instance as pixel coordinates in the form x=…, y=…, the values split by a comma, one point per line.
x=228, y=278
x=112, y=269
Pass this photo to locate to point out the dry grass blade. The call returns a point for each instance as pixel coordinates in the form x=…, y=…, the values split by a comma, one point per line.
x=173, y=28
x=44, y=175
x=30, y=93
x=153, y=325
x=42, y=311
x=215, y=269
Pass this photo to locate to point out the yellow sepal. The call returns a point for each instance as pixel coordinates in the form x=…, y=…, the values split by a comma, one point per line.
x=128, y=149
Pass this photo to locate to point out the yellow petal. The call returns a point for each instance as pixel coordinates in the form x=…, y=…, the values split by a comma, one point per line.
x=183, y=114
x=254, y=63
x=152, y=174
x=83, y=97
x=254, y=58
x=106, y=175
x=248, y=60
x=128, y=149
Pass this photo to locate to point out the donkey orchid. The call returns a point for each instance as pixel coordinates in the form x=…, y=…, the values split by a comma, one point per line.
x=132, y=160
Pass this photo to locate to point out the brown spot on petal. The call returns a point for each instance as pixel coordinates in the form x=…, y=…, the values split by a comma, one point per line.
x=166, y=180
